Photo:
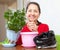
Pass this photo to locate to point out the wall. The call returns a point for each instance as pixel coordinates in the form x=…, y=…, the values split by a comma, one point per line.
x=3, y=7
x=21, y=4
x=50, y=14
x=13, y=6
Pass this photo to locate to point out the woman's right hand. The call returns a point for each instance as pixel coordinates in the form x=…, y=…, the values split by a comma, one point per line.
x=32, y=26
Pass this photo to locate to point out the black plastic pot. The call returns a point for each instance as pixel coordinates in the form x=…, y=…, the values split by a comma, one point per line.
x=45, y=39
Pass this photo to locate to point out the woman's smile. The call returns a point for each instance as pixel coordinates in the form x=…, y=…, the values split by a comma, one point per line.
x=32, y=12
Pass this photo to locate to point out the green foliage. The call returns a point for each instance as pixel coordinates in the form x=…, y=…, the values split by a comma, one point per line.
x=15, y=20
x=58, y=41
x=6, y=41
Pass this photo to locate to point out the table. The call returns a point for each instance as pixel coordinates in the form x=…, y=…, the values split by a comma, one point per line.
x=18, y=47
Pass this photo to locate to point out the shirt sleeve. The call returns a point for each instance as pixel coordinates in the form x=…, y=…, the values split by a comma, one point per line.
x=25, y=29
x=46, y=28
x=43, y=28
x=19, y=41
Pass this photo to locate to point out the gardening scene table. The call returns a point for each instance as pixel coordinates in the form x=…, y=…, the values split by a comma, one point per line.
x=18, y=47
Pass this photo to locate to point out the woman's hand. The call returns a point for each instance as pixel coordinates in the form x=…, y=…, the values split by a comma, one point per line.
x=32, y=26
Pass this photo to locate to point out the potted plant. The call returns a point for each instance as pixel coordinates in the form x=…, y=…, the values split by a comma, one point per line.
x=14, y=23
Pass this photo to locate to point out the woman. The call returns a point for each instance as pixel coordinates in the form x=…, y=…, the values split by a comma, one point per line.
x=33, y=12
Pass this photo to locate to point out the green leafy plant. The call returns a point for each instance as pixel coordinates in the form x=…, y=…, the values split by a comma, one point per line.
x=6, y=41
x=15, y=20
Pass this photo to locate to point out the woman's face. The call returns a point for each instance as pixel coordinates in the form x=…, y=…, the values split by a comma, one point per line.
x=32, y=12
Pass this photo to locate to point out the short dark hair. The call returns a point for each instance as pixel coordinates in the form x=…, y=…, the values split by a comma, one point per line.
x=35, y=4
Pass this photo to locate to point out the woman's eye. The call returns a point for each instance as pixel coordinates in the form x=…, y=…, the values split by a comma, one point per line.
x=29, y=10
x=35, y=11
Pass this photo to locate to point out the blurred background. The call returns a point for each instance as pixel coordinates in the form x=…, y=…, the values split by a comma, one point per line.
x=50, y=13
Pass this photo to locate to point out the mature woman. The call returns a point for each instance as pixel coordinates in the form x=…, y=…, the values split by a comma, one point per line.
x=33, y=12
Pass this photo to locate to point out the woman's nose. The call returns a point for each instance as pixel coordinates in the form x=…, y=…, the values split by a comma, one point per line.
x=32, y=13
